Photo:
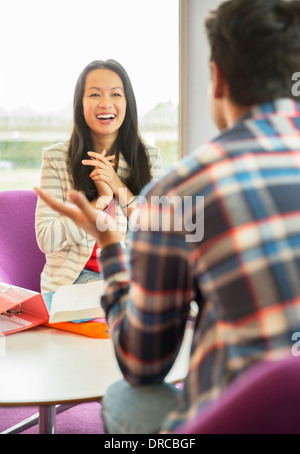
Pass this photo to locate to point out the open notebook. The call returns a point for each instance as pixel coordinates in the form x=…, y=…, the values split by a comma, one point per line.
x=77, y=308
x=77, y=302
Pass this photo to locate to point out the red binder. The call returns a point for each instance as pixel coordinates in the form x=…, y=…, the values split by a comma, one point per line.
x=20, y=309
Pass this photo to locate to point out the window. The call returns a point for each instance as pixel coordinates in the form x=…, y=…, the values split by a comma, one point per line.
x=44, y=47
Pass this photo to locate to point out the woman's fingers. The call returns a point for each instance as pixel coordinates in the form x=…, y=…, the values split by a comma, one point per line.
x=103, y=169
x=96, y=163
x=101, y=156
x=98, y=172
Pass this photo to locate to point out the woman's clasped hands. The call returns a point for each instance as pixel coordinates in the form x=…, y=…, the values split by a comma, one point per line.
x=103, y=172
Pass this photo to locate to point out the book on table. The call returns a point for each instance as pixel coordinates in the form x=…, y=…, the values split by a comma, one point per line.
x=77, y=302
x=77, y=308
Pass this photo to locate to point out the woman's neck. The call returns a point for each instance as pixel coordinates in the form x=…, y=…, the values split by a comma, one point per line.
x=103, y=143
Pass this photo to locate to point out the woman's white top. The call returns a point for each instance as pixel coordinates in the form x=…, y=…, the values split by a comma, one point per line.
x=66, y=246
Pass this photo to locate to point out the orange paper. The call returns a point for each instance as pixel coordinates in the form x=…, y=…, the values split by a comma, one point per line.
x=90, y=329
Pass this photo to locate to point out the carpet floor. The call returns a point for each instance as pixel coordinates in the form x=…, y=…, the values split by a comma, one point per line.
x=81, y=419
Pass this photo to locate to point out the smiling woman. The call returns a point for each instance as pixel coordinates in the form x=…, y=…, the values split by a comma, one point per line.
x=105, y=159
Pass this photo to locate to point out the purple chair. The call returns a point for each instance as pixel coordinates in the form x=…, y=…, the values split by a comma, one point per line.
x=264, y=400
x=21, y=260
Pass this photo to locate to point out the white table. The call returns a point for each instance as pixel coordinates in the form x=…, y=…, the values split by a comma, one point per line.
x=46, y=367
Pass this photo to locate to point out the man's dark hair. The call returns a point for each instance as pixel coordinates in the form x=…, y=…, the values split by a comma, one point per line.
x=256, y=44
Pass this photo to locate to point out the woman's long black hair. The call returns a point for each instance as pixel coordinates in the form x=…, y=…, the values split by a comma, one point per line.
x=128, y=141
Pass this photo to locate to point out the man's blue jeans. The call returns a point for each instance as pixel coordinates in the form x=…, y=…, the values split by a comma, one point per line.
x=130, y=409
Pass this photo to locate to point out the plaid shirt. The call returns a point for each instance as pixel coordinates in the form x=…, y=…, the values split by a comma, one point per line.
x=246, y=268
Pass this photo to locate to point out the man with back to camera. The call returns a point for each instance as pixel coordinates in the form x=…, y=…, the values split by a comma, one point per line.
x=245, y=269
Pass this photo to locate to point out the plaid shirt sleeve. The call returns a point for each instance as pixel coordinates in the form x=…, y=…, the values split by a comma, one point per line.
x=147, y=318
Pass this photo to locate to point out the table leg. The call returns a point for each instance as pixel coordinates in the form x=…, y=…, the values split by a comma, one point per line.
x=47, y=419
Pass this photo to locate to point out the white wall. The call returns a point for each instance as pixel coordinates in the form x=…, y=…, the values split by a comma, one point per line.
x=195, y=124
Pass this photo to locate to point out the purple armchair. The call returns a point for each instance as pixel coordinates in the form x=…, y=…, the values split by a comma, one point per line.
x=21, y=260
x=264, y=400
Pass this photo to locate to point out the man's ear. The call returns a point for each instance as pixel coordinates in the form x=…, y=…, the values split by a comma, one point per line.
x=219, y=85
